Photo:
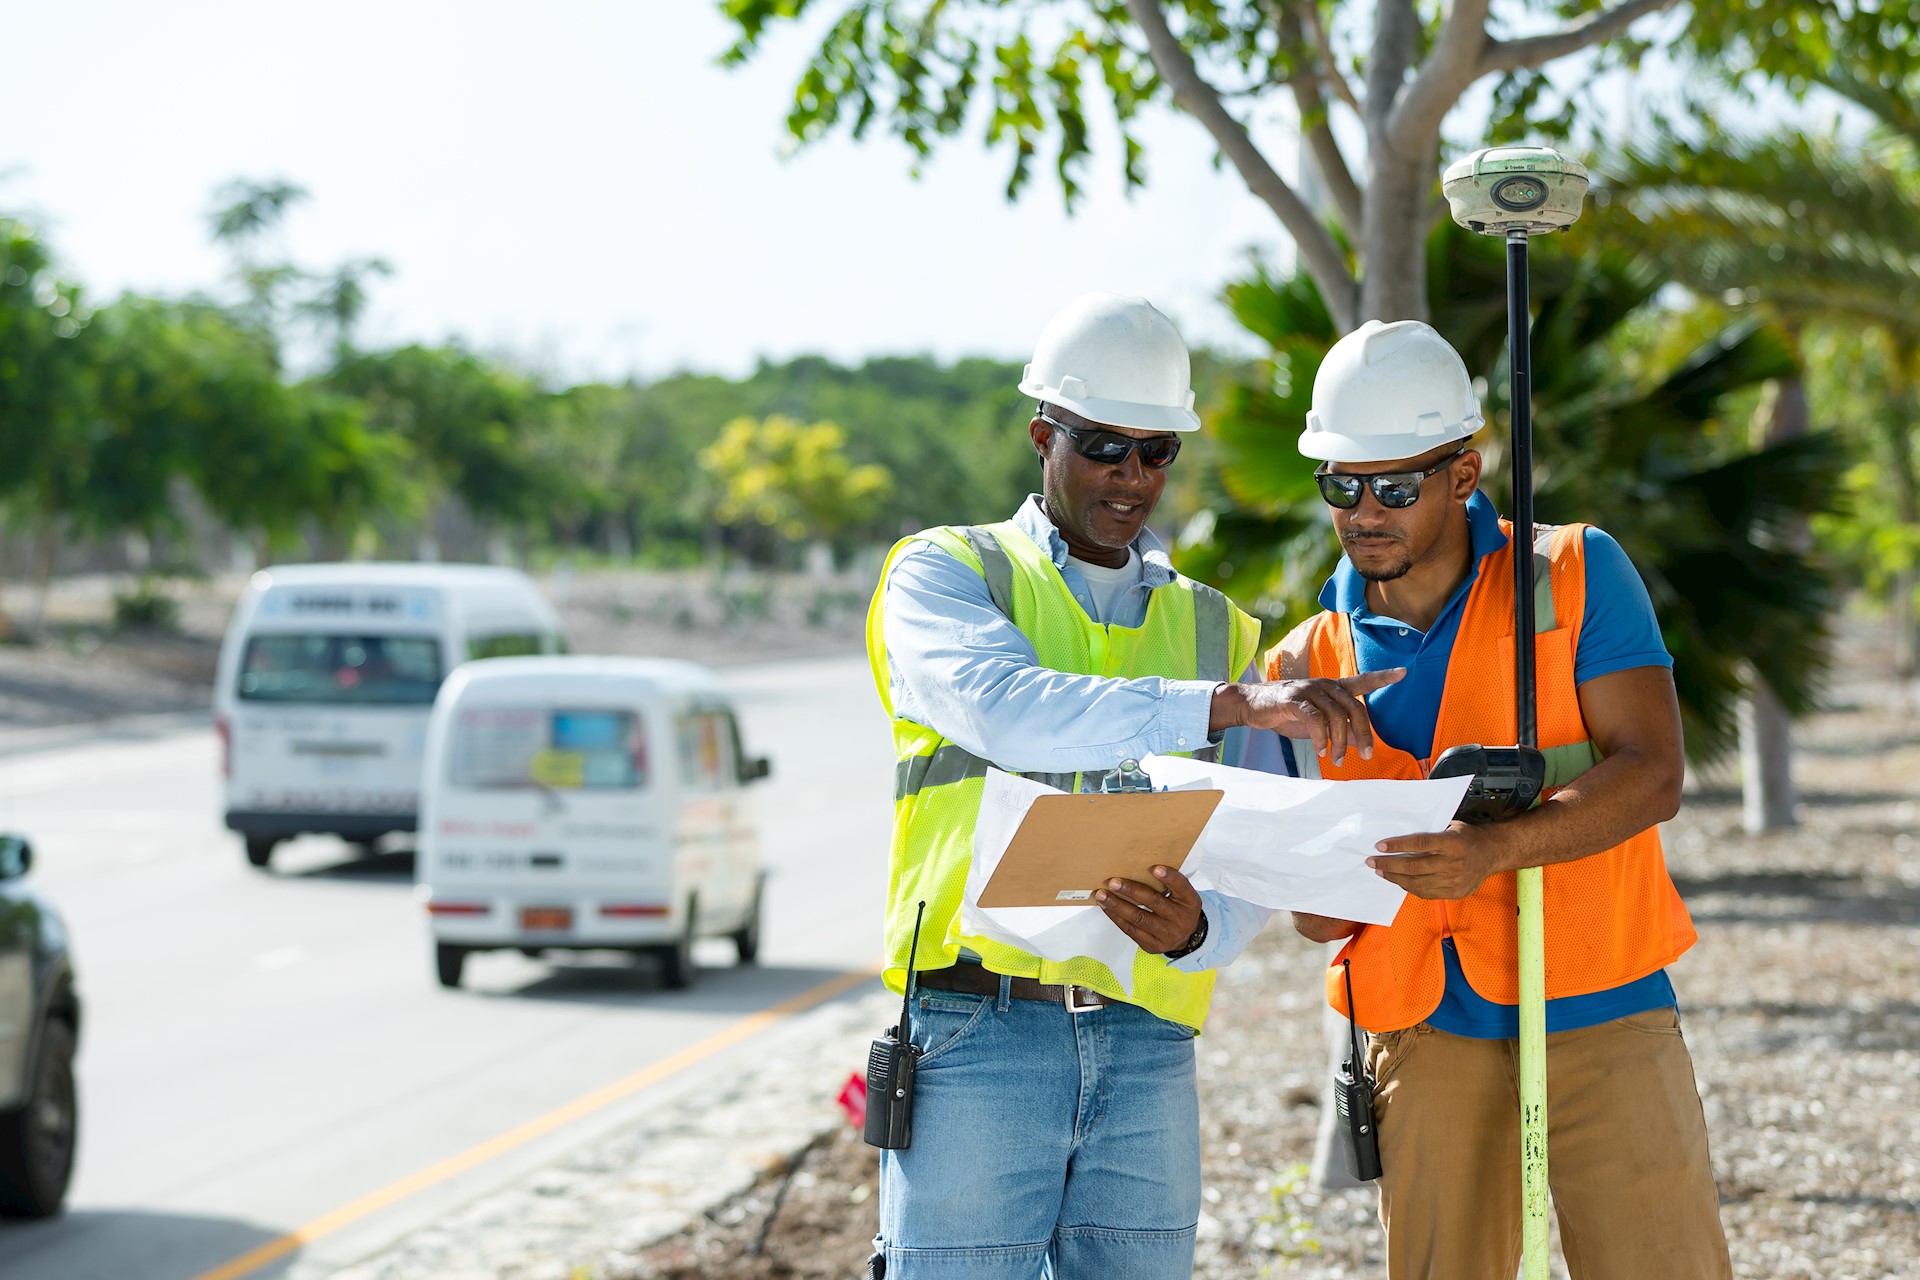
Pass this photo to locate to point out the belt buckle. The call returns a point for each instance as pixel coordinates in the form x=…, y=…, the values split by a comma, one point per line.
x=1066, y=998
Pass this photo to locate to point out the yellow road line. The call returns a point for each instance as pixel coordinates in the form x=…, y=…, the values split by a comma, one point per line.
x=539, y=1126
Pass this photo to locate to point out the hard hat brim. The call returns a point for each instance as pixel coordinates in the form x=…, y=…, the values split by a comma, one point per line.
x=1331, y=446
x=1117, y=413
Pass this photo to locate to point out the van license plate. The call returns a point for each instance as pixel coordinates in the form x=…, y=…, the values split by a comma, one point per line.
x=546, y=919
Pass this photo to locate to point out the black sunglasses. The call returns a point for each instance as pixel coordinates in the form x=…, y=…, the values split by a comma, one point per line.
x=1110, y=448
x=1394, y=489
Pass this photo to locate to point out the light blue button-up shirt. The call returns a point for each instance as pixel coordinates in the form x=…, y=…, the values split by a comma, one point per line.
x=958, y=665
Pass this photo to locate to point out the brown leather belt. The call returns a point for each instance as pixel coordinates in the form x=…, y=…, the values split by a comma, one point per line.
x=980, y=981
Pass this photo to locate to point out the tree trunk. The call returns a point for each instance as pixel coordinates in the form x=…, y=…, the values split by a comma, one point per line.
x=1766, y=734
x=1906, y=490
x=619, y=538
x=1393, y=234
x=1768, y=799
x=1906, y=630
x=44, y=553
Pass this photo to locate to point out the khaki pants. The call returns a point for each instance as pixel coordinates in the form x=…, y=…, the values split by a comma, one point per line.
x=1626, y=1154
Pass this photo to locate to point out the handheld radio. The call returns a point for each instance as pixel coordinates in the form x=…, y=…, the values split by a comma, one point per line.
x=1353, y=1098
x=892, y=1060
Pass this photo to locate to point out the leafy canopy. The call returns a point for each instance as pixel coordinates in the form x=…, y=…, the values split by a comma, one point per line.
x=792, y=478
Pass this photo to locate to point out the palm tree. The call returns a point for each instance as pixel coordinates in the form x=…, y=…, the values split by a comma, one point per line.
x=1648, y=455
x=1804, y=231
x=341, y=300
x=244, y=214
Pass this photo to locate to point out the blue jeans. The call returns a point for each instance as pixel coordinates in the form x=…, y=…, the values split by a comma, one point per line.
x=1045, y=1144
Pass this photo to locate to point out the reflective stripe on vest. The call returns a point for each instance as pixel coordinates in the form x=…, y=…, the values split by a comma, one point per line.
x=1611, y=917
x=1190, y=632
x=1212, y=615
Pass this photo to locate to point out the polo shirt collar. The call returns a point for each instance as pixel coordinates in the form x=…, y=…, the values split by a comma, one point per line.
x=1346, y=590
x=1032, y=520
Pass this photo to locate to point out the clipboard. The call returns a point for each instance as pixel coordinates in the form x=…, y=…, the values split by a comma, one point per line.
x=1070, y=845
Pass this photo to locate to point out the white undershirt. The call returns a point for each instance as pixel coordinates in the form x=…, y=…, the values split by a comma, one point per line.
x=1108, y=586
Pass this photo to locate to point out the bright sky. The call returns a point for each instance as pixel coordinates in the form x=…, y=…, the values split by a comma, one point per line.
x=577, y=184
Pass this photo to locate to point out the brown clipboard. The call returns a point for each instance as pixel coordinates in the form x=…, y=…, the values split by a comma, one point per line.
x=1070, y=845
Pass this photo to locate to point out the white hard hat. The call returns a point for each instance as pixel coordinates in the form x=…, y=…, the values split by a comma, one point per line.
x=1116, y=361
x=1389, y=391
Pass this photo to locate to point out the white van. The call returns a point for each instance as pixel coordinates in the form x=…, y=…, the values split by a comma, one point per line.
x=585, y=804
x=326, y=678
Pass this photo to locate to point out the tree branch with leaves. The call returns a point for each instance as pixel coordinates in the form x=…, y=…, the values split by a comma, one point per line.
x=923, y=68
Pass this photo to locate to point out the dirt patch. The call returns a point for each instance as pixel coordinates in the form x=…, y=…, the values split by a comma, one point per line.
x=1801, y=1004
x=812, y=1220
x=81, y=669
x=79, y=675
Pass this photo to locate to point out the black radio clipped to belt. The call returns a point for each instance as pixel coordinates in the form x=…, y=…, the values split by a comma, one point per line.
x=1353, y=1097
x=892, y=1060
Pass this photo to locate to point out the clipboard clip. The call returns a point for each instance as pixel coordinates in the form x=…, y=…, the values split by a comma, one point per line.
x=1129, y=777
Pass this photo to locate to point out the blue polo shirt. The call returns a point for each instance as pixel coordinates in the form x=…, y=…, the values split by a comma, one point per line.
x=1619, y=632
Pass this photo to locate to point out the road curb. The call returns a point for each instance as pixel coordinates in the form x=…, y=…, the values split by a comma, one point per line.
x=86, y=733
x=648, y=1180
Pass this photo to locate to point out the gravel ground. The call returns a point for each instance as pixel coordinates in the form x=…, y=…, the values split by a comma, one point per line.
x=1802, y=1007
x=1802, y=999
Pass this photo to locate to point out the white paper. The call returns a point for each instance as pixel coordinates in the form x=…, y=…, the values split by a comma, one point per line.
x=1301, y=844
x=1052, y=933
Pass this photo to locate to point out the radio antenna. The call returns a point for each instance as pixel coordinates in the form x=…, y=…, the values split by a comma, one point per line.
x=913, y=952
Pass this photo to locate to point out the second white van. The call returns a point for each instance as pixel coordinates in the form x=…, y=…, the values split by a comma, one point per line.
x=588, y=804
x=326, y=678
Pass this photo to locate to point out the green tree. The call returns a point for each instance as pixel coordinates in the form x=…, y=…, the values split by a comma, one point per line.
x=922, y=69
x=1639, y=436
x=245, y=218
x=1862, y=52
x=953, y=438
x=43, y=386
x=1815, y=233
x=577, y=439
x=185, y=393
x=465, y=421
x=340, y=301
x=1864, y=379
x=792, y=480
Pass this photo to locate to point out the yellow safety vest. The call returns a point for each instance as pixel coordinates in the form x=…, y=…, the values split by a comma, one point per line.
x=1191, y=632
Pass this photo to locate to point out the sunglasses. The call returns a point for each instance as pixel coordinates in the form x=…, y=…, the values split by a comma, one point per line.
x=1110, y=448
x=1392, y=489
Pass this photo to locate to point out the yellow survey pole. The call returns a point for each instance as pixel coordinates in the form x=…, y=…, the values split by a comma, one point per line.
x=1517, y=193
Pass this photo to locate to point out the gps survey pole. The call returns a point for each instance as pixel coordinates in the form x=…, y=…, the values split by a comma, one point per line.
x=1516, y=193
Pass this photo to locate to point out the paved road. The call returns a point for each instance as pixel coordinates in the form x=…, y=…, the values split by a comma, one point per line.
x=262, y=1049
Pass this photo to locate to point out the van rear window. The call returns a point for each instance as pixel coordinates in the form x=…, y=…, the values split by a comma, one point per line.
x=502, y=748
x=341, y=670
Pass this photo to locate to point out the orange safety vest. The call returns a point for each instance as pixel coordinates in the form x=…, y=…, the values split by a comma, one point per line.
x=1611, y=917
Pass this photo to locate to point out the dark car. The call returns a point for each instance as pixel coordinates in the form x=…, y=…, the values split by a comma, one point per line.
x=39, y=1030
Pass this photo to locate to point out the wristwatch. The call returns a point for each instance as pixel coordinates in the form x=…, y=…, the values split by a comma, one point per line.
x=1194, y=941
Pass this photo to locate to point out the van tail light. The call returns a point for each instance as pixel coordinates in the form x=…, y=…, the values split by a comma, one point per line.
x=628, y=910
x=459, y=908
x=225, y=732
